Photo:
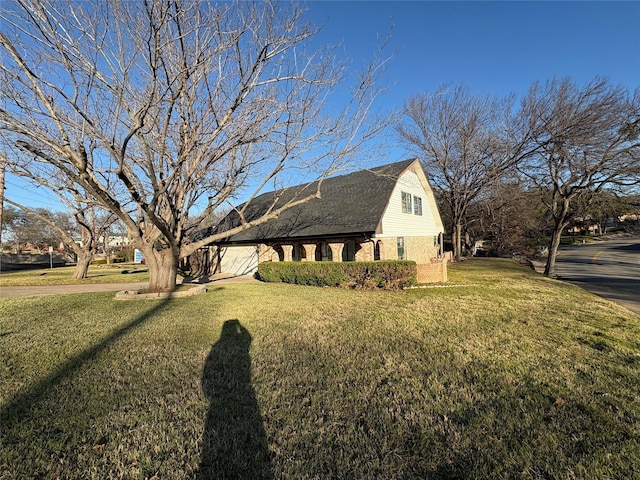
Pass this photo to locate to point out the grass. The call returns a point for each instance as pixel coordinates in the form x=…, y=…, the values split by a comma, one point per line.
x=114, y=273
x=507, y=375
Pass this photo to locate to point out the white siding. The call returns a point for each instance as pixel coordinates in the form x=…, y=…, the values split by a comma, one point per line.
x=395, y=223
x=239, y=260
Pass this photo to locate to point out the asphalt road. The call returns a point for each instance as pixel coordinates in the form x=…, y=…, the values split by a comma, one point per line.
x=608, y=268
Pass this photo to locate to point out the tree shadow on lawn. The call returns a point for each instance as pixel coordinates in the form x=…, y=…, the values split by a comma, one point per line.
x=234, y=443
x=18, y=409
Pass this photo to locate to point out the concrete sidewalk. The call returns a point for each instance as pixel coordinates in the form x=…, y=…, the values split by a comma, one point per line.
x=41, y=290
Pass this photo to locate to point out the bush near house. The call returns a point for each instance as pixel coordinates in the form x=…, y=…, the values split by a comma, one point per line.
x=388, y=275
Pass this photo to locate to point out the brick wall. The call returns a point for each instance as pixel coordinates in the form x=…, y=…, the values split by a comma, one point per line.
x=433, y=272
x=418, y=249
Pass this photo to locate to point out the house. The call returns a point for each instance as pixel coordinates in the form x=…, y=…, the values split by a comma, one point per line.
x=383, y=213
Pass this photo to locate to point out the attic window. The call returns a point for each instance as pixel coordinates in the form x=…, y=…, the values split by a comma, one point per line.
x=406, y=202
x=417, y=205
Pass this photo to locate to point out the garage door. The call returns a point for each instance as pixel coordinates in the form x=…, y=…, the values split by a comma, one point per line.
x=238, y=260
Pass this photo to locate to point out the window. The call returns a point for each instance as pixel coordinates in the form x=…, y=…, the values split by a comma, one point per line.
x=406, y=202
x=401, y=255
x=417, y=205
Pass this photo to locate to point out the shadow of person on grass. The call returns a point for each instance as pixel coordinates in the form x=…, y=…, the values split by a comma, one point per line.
x=234, y=443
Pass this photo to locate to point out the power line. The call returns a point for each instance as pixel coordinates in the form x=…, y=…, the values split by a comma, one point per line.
x=35, y=197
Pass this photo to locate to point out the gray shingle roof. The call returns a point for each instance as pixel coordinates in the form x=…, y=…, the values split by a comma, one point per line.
x=351, y=204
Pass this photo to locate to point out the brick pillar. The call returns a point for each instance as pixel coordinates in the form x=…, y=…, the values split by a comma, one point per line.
x=288, y=252
x=336, y=251
x=365, y=252
x=310, y=250
x=266, y=254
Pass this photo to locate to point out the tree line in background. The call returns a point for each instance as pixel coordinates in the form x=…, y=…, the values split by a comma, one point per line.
x=159, y=114
x=524, y=172
x=85, y=234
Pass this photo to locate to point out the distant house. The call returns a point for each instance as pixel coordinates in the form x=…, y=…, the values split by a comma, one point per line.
x=383, y=213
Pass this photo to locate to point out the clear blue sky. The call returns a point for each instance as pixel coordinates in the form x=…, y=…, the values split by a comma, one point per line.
x=491, y=47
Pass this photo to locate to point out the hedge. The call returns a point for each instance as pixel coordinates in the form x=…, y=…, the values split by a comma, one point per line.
x=103, y=261
x=389, y=275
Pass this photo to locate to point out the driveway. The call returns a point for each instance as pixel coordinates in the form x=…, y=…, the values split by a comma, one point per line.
x=36, y=291
x=608, y=268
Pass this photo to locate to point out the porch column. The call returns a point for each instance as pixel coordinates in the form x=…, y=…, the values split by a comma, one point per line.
x=365, y=251
x=265, y=253
x=288, y=252
x=310, y=251
x=336, y=251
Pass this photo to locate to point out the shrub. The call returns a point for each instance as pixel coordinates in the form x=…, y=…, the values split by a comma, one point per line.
x=389, y=275
x=103, y=261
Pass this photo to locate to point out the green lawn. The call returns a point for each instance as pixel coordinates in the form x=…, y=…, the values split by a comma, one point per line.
x=507, y=375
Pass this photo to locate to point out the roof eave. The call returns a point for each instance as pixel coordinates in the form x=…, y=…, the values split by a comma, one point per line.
x=302, y=239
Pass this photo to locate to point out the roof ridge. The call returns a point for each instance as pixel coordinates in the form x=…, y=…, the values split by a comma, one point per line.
x=303, y=186
x=379, y=167
x=349, y=204
x=355, y=172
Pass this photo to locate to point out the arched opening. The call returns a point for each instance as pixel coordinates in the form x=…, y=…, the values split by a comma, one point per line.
x=377, y=251
x=323, y=252
x=299, y=252
x=280, y=252
x=349, y=251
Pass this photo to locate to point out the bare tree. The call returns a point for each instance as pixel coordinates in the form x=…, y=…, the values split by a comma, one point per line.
x=161, y=109
x=34, y=228
x=602, y=207
x=585, y=139
x=79, y=231
x=511, y=216
x=465, y=143
x=91, y=221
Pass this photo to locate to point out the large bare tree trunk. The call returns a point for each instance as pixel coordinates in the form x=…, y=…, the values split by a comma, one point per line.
x=550, y=266
x=559, y=225
x=82, y=265
x=457, y=241
x=163, y=269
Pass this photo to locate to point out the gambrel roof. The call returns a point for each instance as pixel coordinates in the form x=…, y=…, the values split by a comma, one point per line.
x=350, y=205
